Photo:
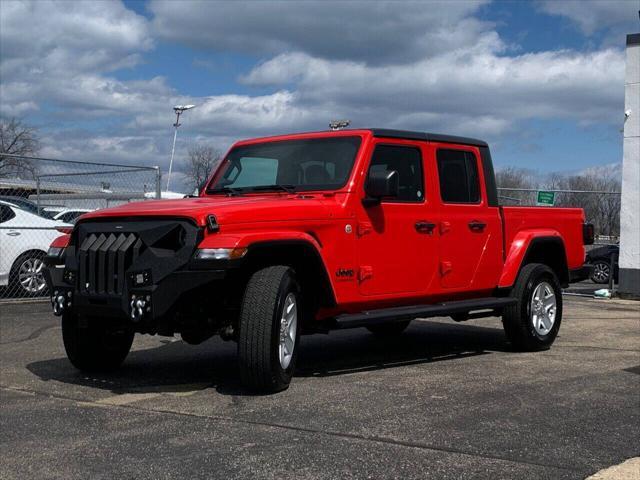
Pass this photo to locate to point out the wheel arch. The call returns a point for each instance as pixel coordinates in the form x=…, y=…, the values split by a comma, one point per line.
x=302, y=256
x=25, y=253
x=547, y=249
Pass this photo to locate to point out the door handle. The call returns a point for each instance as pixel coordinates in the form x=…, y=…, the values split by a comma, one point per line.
x=477, y=226
x=422, y=226
x=13, y=233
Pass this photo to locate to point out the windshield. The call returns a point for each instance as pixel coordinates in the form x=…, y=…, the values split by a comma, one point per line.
x=290, y=165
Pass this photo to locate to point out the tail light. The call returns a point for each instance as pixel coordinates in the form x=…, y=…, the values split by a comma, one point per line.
x=588, y=234
x=65, y=230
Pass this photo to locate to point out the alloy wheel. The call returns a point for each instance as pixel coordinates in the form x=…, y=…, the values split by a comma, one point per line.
x=30, y=275
x=543, y=308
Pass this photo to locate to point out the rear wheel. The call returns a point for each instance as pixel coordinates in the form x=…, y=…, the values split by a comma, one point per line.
x=601, y=272
x=269, y=329
x=92, y=345
x=392, y=329
x=533, y=322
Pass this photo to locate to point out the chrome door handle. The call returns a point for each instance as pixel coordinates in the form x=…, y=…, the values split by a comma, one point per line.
x=13, y=234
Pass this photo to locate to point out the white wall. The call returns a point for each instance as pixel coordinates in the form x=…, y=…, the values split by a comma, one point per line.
x=630, y=211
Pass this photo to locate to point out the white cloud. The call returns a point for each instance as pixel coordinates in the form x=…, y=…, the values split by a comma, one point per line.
x=57, y=53
x=485, y=91
x=375, y=32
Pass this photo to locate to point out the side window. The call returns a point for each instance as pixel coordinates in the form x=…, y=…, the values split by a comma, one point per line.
x=6, y=214
x=407, y=161
x=458, y=172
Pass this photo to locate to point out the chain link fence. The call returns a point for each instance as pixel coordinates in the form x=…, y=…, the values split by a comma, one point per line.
x=42, y=197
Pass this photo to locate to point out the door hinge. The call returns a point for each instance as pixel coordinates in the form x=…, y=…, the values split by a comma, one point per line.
x=445, y=267
x=365, y=272
x=364, y=228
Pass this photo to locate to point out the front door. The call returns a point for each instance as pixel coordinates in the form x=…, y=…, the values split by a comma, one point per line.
x=396, y=240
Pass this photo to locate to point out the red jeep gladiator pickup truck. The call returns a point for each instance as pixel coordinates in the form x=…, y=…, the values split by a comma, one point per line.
x=313, y=232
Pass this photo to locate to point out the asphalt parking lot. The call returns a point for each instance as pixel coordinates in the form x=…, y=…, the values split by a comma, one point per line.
x=443, y=400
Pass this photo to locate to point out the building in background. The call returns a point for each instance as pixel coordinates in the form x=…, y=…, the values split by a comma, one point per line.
x=629, y=261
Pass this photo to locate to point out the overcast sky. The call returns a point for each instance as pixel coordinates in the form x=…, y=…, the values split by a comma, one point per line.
x=542, y=81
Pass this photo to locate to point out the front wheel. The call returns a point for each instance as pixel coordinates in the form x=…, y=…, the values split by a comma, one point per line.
x=94, y=345
x=269, y=329
x=534, y=321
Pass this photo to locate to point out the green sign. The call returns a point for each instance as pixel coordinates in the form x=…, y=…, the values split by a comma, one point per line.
x=546, y=198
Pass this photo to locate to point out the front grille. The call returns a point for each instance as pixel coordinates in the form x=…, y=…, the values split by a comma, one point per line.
x=103, y=259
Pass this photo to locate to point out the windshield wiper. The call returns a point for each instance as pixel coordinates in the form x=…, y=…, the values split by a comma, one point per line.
x=275, y=186
x=230, y=191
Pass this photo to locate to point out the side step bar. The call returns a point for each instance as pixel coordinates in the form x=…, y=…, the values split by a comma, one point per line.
x=397, y=314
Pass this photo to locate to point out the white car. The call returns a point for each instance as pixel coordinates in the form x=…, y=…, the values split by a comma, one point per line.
x=24, y=241
x=70, y=215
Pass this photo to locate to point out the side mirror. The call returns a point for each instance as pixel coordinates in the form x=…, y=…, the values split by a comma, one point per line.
x=380, y=185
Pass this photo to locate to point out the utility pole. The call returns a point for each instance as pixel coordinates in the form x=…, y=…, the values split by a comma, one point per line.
x=179, y=110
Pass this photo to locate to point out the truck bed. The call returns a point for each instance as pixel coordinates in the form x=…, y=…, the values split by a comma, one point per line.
x=554, y=221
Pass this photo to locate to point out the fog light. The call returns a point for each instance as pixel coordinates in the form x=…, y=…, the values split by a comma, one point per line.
x=140, y=279
x=139, y=306
x=60, y=302
x=69, y=276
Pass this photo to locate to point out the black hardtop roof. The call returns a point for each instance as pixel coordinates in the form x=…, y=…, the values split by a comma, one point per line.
x=429, y=137
x=388, y=133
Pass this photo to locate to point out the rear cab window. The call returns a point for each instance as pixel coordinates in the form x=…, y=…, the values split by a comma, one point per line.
x=458, y=176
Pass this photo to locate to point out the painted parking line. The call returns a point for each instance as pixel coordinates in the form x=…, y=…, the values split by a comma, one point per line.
x=627, y=470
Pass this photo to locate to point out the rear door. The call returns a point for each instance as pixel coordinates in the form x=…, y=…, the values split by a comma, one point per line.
x=470, y=230
x=396, y=244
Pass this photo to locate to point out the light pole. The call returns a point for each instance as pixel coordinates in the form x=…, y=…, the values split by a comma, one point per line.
x=179, y=109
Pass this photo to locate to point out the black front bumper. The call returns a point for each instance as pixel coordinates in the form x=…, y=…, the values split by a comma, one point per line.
x=159, y=298
x=113, y=267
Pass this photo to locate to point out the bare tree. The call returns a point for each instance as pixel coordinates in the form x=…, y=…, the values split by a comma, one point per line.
x=202, y=160
x=18, y=139
x=601, y=209
x=512, y=177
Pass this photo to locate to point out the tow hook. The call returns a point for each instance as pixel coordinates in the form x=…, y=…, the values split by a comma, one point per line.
x=60, y=302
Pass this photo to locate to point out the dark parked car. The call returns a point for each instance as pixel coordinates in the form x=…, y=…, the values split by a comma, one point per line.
x=600, y=260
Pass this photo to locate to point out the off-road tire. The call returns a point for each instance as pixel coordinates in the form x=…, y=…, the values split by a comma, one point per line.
x=259, y=335
x=517, y=319
x=391, y=329
x=92, y=345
